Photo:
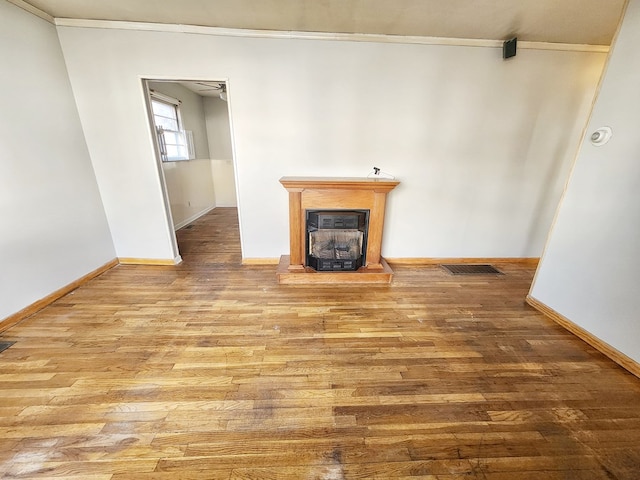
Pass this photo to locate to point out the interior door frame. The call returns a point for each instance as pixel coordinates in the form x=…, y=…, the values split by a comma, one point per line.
x=163, y=183
x=158, y=157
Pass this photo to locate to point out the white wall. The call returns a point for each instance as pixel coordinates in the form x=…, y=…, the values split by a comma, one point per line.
x=218, y=128
x=482, y=146
x=189, y=182
x=219, y=134
x=54, y=229
x=589, y=272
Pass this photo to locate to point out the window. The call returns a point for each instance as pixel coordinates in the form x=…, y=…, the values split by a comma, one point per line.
x=174, y=142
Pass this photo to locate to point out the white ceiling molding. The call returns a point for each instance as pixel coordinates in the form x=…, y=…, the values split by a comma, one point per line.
x=567, y=47
x=588, y=22
x=348, y=37
x=31, y=9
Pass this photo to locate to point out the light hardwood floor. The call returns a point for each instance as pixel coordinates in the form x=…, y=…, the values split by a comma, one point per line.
x=211, y=370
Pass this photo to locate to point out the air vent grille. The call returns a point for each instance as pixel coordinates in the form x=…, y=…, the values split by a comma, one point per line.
x=464, y=269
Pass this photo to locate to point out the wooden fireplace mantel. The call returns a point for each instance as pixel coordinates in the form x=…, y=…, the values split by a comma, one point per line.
x=311, y=193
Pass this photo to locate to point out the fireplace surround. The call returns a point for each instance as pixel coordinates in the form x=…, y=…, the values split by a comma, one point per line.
x=326, y=194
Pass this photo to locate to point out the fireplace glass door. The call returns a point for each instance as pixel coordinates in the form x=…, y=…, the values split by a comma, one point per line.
x=336, y=239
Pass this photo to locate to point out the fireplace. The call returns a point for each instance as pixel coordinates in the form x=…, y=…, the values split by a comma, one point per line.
x=327, y=196
x=336, y=239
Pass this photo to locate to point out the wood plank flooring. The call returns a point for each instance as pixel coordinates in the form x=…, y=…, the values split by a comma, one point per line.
x=211, y=370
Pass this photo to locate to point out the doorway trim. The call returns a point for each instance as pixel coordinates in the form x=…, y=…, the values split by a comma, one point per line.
x=145, y=80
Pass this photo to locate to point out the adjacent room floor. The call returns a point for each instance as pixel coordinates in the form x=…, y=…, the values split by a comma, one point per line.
x=211, y=370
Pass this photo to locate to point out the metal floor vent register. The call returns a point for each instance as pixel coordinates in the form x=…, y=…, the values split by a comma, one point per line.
x=5, y=345
x=461, y=269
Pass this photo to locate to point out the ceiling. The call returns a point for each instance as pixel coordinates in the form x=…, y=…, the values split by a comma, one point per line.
x=204, y=88
x=591, y=22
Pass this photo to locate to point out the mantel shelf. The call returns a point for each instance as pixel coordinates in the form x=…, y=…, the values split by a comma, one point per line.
x=340, y=183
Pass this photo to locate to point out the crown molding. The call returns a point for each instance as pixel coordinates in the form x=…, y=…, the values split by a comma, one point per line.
x=347, y=37
x=31, y=9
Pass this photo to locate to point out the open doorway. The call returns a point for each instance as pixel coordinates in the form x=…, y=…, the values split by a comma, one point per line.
x=192, y=134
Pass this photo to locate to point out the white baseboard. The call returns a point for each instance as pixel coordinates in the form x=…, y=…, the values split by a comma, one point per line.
x=193, y=218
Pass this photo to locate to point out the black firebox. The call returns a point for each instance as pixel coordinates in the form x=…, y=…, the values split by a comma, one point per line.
x=336, y=239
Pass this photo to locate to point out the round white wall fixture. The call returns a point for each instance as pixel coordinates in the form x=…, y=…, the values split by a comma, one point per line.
x=601, y=136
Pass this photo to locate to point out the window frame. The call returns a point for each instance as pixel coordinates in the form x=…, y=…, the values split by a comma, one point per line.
x=182, y=140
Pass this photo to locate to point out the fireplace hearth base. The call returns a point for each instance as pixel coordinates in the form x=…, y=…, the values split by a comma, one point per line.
x=310, y=276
